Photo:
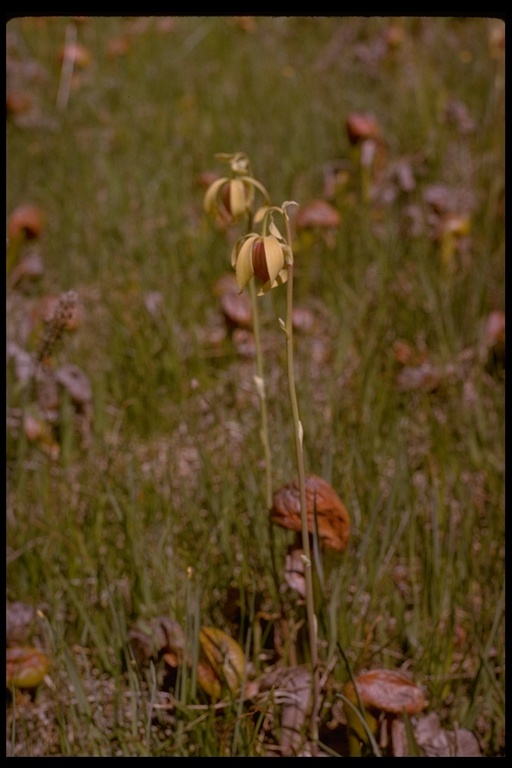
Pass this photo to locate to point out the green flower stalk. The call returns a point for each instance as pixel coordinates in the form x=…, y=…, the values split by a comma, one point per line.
x=269, y=258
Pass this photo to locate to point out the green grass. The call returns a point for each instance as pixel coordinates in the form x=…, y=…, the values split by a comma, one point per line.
x=170, y=476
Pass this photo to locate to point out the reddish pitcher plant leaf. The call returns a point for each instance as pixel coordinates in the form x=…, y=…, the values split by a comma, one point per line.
x=317, y=214
x=362, y=126
x=325, y=510
x=237, y=309
x=385, y=695
x=26, y=220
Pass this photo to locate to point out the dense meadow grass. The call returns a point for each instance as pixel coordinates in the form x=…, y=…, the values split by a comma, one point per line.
x=145, y=498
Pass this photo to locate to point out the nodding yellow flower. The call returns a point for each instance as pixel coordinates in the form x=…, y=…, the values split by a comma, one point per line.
x=260, y=256
x=233, y=197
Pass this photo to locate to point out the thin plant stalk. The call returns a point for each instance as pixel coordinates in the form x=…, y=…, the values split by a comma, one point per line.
x=298, y=432
x=261, y=388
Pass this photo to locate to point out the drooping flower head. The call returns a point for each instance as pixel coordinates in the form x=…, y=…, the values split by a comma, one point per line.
x=265, y=257
x=233, y=196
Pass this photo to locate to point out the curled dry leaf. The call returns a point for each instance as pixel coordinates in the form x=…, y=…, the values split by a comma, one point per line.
x=26, y=667
x=324, y=508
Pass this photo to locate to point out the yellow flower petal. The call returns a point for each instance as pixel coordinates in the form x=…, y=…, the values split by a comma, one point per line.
x=280, y=280
x=210, y=198
x=274, y=256
x=244, y=269
x=238, y=198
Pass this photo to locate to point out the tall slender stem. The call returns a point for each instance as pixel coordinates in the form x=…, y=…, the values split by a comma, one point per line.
x=262, y=393
x=297, y=426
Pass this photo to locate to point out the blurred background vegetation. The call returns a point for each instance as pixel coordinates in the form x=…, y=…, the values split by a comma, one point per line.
x=139, y=492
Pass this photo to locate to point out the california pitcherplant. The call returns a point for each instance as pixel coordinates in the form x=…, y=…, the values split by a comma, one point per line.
x=267, y=257
x=234, y=196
